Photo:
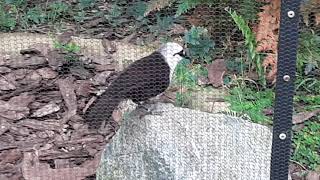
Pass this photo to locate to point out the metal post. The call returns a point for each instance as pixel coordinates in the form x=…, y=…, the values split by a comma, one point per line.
x=282, y=122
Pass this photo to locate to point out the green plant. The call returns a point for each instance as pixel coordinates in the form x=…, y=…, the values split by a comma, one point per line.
x=84, y=4
x=186, y=5
x=7, y=17
x=307, y=145
x=247, y=101
x=57, y=11
x=162, y=24
x=137, y=10
x=36, y=15
x=308, y=103
x=308, y=57
x=69, y=47
x=308, y=62
x=250, y=41
x=185, y=80
x=200, y=46
x=114, y=15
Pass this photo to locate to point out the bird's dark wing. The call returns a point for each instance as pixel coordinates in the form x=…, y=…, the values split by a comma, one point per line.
x=144, y=78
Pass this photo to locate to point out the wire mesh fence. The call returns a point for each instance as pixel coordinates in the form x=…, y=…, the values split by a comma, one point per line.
x=159, y=89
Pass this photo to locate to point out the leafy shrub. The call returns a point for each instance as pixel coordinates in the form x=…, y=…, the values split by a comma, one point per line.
x=307, y=144
x=247, y=101
x=251, y=43
x=200, y=46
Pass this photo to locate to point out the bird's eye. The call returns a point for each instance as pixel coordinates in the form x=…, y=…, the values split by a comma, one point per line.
x=181, y=53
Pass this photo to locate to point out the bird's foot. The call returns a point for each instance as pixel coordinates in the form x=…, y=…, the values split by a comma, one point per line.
x=149, y=110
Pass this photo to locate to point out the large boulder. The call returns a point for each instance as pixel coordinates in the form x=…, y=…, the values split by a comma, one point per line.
x=184, y=144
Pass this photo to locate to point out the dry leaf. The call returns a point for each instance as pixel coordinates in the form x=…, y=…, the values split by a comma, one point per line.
x=216, y=71
x=312, y=175
x=267, y=33
x=270, y=61
x=156, y=5
x=304, y=116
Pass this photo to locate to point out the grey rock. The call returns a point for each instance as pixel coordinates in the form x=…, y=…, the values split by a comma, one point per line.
x=184, y=144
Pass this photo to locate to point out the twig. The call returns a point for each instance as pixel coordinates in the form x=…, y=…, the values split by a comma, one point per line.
x=302, y=166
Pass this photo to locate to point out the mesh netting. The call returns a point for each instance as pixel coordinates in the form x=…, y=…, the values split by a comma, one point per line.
x=156, y=89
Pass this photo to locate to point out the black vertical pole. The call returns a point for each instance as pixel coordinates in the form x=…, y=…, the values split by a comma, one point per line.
x=282, y=121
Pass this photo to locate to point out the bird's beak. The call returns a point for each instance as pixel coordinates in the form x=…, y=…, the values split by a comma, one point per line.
x=181, y=53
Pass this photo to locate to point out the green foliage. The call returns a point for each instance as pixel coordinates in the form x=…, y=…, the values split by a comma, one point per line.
x=307, y=143
x=200, y=46
x=68, y=48
x=183, y=75
x=253, y=56
x=114, y=14
x=163, y=24
x=185, y=5
x=36, y=15
x=7, y=20
x=57, y=10
x=24, y=14
x=137, y=10
x=308, y=53
x=247, y=101
x=308, y=61
x=185, y=80
x=247, y=8
x=84, y=4
x=310, y=102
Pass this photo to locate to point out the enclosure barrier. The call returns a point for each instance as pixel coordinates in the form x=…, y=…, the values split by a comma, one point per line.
x=157, y=89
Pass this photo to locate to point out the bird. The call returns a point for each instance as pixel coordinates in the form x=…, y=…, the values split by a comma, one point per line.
x=145, y=78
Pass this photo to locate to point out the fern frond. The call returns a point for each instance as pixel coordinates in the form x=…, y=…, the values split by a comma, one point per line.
x=250, y=42
x=186, y=5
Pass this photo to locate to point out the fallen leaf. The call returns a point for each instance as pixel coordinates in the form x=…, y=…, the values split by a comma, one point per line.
x=80, y=72
x=203, y=81
x=267, y=32
x=47, y=73
x=18, y=74
x=312, y=175
x=107, y=67
x=22, y=62
x=216, y=71
x=83, y=87
x=55, y=59
x=106, y=60
x=270, y=61
x=46, y=110
x=177, y=29
x=304, y=116
x=100, y=78
x=13, y=111
x=4, y=126
x=24, y=99
x=268, y=111
x=5, y=85
x=32, y=78
x=4, y=70
x=69, y=96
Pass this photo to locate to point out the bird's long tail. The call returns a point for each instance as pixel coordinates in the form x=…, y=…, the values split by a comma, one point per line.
x=103, y=107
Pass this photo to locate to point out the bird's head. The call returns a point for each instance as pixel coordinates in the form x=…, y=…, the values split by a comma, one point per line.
x=173, y=54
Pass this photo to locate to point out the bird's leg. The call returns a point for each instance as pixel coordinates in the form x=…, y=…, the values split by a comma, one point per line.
x=149, y=110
